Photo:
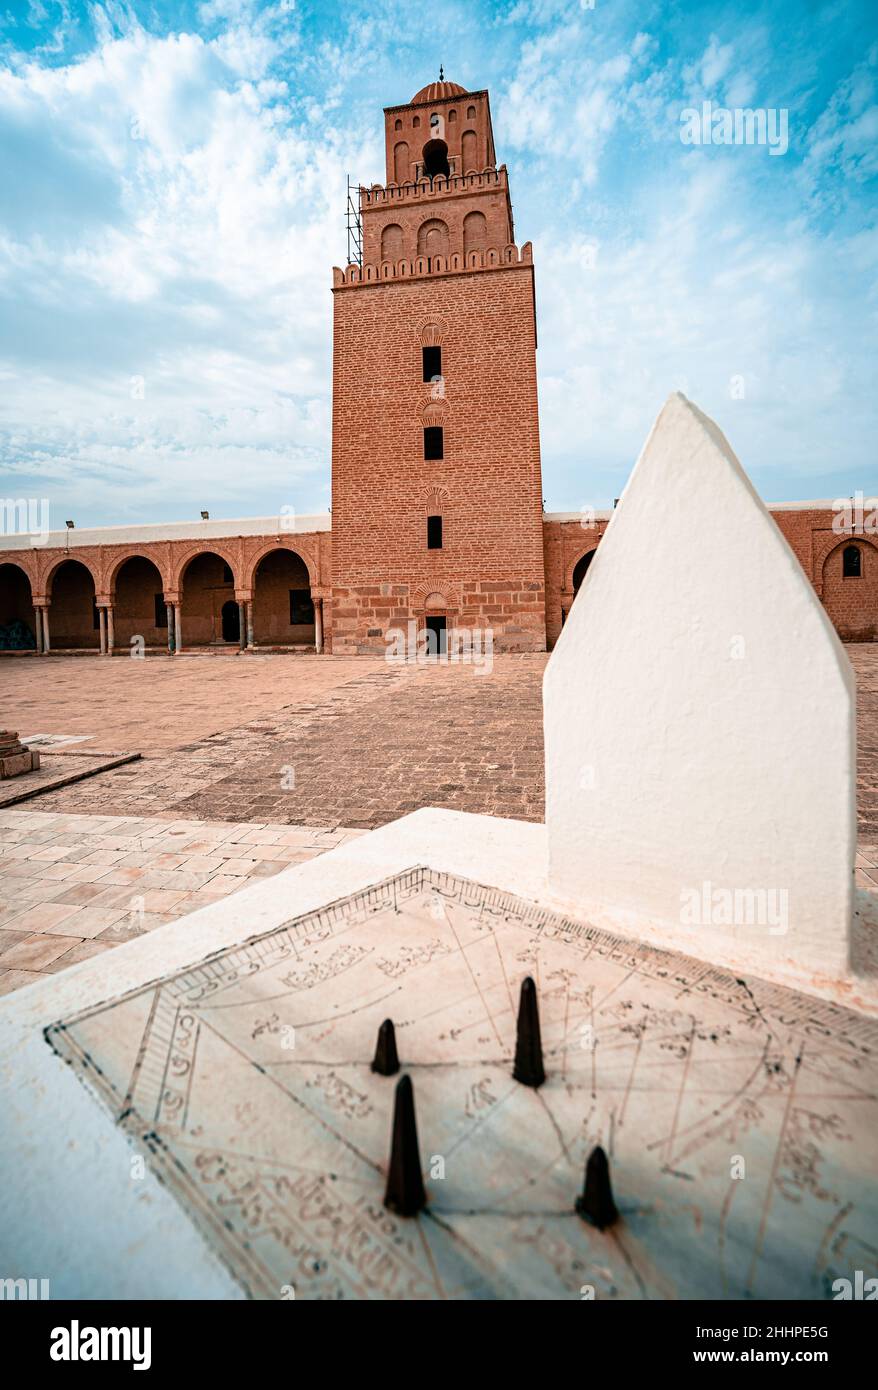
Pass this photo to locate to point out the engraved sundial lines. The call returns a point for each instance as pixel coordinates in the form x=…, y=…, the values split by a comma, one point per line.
x=247, y=1079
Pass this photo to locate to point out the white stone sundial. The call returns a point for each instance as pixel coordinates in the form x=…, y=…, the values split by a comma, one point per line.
x=246, y=1080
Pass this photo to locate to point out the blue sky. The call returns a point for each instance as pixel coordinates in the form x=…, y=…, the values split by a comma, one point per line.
x=172, y=201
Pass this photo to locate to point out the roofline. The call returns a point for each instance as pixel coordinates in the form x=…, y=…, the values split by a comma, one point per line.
x=286, y=524
x=820, y=504
x=603, y=514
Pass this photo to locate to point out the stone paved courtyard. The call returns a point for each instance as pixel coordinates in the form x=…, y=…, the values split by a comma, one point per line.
x=250, y=764
x=304, y=740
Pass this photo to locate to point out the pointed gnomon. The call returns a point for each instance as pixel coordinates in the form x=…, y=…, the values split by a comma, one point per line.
x=596, y=1204
x=386, y=1059
x=528, y=1067
x=405, y=1193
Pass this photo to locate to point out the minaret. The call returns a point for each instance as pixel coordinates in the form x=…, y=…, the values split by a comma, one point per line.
x=436, y=488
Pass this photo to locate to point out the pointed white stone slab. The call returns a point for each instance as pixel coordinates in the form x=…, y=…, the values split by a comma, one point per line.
x=700, y=724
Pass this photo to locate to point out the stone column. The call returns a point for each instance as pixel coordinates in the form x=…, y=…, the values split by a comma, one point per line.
x=178, y=630
x=111, y=630
x=46, y=644
x=102, y=626
x=38, y=629
x=250, y=623
x=318, y=625
x=242, y=625
x=169, y=607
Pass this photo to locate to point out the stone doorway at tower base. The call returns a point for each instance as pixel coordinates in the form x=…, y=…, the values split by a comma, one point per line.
x=437, y=634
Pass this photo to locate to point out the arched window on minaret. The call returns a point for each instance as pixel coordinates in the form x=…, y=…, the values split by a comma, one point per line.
x=433, y=238
x=468, y=151
x=401, y=169
x=475, y=232
x=391, y=242
x=436, y=159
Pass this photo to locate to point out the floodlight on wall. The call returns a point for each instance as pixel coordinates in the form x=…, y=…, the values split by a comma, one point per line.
x=69, y=525
x=205, y=516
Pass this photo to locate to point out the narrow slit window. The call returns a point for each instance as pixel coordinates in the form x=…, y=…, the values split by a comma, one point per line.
x=432, y=358
x=433, y=442
x=434, y=533
x=851, y=562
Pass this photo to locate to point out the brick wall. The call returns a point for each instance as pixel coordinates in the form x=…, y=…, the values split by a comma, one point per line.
x=851, y=603
x=565, y=542
x=487, y=487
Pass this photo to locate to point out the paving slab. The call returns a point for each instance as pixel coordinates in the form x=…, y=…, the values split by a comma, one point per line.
x=55, y=900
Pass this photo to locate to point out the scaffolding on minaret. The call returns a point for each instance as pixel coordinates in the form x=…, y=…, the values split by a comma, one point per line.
x=354, y=224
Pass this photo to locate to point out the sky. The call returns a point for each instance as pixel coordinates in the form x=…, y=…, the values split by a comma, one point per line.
x=172, y=197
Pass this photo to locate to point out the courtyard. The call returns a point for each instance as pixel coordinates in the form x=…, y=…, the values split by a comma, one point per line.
x=248, y=765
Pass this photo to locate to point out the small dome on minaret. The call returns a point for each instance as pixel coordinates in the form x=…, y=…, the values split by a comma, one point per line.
x=435, y=91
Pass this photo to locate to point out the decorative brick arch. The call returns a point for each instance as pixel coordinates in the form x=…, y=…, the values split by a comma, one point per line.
x=434, y=412
x=435, y=499
x=303, y=552
x=449, y=590
x=183, y=562
x=114, y=565
x=851, y=602
x=29, y=572
x=20, y=619
x=430, y=333
x=433, y=236
x=841, y=544
x=568, y=574
x=48, y=577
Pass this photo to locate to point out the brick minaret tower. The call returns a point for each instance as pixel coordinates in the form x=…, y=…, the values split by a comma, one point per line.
x=436, y=488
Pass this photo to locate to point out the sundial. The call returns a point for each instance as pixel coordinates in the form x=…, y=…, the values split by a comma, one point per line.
x=738, y=1117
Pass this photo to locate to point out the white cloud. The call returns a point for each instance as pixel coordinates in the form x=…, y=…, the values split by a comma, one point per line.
x=199, y=260
x=842, y=145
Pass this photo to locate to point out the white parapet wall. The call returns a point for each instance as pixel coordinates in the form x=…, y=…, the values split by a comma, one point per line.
x=700, y=724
